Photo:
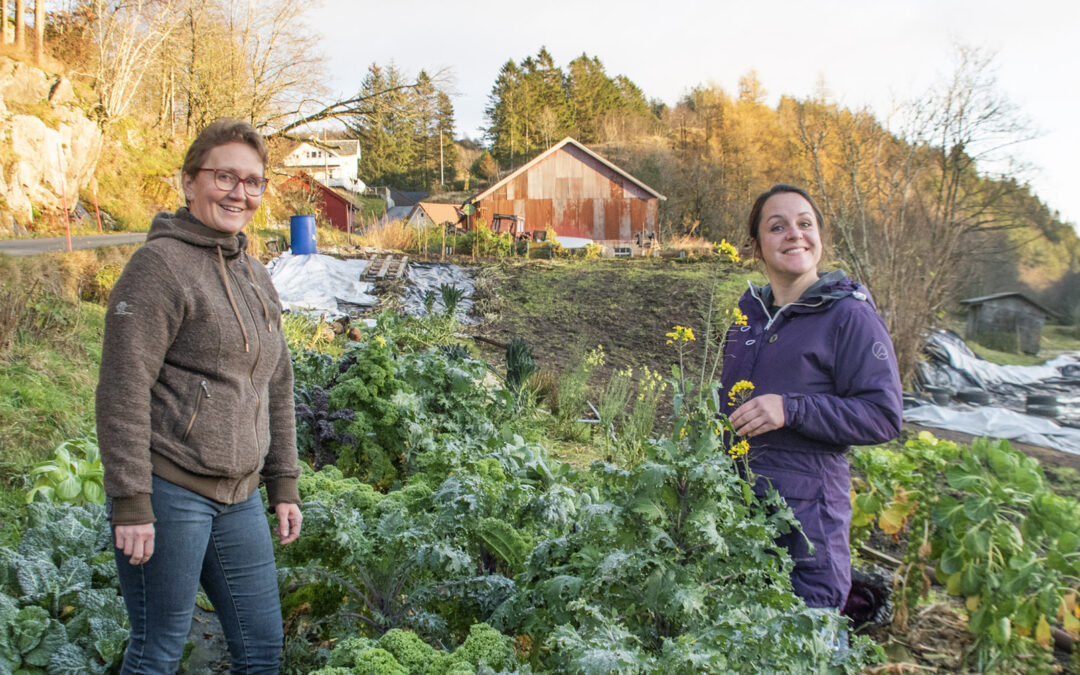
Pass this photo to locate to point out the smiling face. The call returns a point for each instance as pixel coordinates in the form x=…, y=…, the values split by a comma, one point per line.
x=225, y=211
x=788, y=239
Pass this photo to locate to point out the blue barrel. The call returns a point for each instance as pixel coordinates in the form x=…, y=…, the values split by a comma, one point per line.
x=302, y=233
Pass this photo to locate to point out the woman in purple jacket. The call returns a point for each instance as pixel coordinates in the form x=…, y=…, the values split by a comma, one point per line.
x=825, y=378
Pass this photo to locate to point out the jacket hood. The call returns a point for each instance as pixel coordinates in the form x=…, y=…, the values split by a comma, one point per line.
x=187, y=228
x=829, y=287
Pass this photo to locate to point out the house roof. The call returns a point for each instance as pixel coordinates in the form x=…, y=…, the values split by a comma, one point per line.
x=998, y=296
x=344, y=147
x=438, y=213
x=555, y=148
x=338, y=147
x=406, y=198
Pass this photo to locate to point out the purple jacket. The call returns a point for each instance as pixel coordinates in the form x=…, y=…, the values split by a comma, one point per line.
x=830, y=356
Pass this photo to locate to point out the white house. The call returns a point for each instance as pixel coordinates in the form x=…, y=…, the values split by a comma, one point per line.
x=336, y=165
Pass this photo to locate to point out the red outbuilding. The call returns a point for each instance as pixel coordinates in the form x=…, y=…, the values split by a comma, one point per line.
x=335, y=207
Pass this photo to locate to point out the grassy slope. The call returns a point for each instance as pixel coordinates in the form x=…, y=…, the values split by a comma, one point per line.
x=625, y=305
x=47, y=390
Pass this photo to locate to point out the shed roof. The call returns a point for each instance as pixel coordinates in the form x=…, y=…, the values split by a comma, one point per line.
x=438, y=213
x=999, y=296
x=543, y=155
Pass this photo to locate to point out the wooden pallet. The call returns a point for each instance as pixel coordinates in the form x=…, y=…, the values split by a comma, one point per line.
x=386, y=266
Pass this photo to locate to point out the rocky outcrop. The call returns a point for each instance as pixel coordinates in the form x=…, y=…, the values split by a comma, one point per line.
x=48, y=147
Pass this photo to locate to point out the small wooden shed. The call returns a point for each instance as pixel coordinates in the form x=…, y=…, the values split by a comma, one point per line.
x=1006, y=321
x=428, y=214
x=575, y=191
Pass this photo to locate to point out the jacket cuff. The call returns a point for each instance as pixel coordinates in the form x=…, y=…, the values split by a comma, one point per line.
x=792, y=405
x=133, y=510
x=282, y=490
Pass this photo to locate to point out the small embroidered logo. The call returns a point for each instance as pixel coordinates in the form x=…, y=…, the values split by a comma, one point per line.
x=122, y=309
x=880, y=351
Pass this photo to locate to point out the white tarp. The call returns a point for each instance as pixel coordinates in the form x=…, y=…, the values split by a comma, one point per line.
x=982, y=372
x=998, y=423
x=320, y=284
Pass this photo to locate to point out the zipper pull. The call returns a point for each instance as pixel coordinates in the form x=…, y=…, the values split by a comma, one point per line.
x=205, y=389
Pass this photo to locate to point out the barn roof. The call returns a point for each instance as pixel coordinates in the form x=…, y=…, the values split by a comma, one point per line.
x=999, y=296
x=553, y=149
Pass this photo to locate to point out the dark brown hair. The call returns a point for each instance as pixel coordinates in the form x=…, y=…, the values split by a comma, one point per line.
x=222, y=132
x=759, y=205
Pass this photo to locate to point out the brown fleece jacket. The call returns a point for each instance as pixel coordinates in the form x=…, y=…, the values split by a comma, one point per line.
x=196, y=381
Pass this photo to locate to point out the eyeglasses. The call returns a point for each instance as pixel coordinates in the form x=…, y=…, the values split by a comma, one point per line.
x=227, y=180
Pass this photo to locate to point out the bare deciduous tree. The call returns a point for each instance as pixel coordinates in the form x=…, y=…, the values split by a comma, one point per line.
x=20, y=24
x=39, y=30
x=910, y=211
x=129, y=34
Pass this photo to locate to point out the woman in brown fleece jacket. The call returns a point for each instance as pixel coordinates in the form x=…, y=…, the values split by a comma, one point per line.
x=194, y=411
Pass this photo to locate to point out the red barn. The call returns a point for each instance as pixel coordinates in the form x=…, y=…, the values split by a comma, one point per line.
x=575, y=191
x=335, y=207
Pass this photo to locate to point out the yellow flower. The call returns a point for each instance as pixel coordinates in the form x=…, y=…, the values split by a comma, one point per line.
x=725, y=248
x=381, y=340
x=739, y=449
x=680, y=334
x=739, y=318
x=595, y=358
x=740, y=392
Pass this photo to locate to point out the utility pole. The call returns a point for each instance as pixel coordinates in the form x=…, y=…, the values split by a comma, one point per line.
x=442, y=176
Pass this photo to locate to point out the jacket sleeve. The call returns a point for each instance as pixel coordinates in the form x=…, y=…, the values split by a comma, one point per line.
x=867, y=405
x=280, y=470
x=146, y=309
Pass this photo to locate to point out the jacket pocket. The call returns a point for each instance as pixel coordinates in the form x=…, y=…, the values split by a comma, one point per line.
x=805, y=494
x=202, y=392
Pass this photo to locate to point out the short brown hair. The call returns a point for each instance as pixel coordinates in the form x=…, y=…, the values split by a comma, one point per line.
x=759, y=205
x=222, y=132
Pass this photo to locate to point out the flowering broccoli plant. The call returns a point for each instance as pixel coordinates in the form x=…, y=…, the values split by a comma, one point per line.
x=697, y=401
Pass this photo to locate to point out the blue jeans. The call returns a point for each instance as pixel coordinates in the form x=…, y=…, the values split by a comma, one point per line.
x=225, y=547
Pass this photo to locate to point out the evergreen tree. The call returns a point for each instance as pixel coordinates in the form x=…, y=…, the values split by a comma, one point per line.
x=384, y=127
x=592, y=95
x=505, y=112
x=446, y=137
x=400, y=127
x=547, y=109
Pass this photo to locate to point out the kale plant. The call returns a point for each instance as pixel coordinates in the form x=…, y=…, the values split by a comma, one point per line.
x=60, y=611
x=672, y=566
x=389, y=559
x=315, y=425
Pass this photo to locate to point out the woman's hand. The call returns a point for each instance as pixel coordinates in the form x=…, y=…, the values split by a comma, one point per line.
x=288, y=522
x=137, y=541
x=759, y=415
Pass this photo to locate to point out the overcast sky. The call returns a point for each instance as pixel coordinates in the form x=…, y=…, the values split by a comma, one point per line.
x=869, y=53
